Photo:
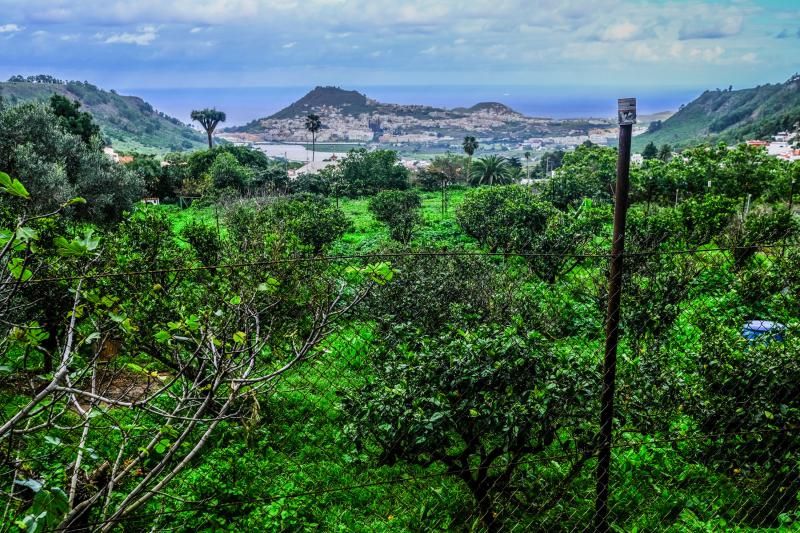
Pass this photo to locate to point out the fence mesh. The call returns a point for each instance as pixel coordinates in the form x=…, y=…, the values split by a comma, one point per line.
x=434, y=391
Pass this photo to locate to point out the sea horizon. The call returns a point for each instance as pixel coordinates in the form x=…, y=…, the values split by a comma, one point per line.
x=243, y=104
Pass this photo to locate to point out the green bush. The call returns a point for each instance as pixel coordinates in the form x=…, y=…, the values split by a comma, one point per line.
x=504, y=218
x=204, y=240
x=399, y=210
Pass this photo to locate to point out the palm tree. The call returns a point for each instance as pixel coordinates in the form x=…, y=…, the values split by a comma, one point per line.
x=490, y=170
x=313, y=124
x=528, y=165
x=470, y=146
x=209, y=119
x=514, y=175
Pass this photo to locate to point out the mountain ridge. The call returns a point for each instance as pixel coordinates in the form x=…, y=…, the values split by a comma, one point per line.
x=129, y=122
x=730, y=116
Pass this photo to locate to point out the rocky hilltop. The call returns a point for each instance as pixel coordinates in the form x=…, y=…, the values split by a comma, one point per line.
x=349, y=116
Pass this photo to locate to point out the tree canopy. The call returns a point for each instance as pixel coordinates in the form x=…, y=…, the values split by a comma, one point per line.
x=209, y=119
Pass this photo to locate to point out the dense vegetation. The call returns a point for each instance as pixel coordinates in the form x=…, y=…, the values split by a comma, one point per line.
x=127, y=122
x=730, y=116
x=342, y=351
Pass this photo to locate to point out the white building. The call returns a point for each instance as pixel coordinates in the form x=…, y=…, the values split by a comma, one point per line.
x=779, y=148
x=312, y=167
x=114, y=156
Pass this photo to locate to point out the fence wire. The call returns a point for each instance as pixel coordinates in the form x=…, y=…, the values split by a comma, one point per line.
x=434, y=391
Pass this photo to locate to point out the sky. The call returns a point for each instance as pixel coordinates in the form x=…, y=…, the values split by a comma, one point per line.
x=636, y=44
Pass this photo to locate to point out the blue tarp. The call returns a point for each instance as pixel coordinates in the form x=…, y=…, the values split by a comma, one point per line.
x=755, y=329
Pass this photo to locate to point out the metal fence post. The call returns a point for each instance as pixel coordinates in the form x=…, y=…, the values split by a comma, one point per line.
x=627, y=117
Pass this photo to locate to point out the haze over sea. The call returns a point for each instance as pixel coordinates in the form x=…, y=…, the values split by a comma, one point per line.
x=247, y=103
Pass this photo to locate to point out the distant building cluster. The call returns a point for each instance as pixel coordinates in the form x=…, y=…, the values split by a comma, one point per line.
x=567, y=141
x=782, y=146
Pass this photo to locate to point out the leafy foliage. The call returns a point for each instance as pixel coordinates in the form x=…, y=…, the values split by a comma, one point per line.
x=489, y=398
x=364, y=173
x=74, y=121
x=399, y=210
x=58, y=166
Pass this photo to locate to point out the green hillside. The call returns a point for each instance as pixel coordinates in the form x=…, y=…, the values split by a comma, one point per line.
x=730, y=116
x=127, y=122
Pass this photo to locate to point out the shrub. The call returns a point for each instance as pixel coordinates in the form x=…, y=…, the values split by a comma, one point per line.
x=366, y=173
x=226, y=171
x=491, y=396
x=312, y=220
x=204, y=240
x=504, y=218
x=399, y=210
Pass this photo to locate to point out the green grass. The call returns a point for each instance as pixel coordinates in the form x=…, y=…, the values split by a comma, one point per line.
x=366, y=234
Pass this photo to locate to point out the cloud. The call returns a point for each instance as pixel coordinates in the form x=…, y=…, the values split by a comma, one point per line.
x=419, y=41
x=711, y=27
x=750, y=57
x=211, y=12
x=10, y=28
x=644, y=52
x=624, y=31
x=145, y=37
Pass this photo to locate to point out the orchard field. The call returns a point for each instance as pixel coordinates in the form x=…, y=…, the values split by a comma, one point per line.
x=345, y=352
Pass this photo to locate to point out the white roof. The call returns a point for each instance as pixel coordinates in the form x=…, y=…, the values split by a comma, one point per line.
x=314, y=166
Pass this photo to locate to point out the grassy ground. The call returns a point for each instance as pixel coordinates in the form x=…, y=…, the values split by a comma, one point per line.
x=438, y=228
x=366, y=233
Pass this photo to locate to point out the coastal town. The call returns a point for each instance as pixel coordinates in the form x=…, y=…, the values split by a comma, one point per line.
x=351, y=117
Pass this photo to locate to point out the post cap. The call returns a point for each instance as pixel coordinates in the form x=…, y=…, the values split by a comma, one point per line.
x=626, y=111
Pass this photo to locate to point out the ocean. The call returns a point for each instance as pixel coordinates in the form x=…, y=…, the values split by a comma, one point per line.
x=244, y=104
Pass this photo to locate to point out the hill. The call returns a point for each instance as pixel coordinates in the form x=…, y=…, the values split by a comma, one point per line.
x=730, y=116
x=351, y=102
x=492, y=107
x=128, y=122
x=352, y=116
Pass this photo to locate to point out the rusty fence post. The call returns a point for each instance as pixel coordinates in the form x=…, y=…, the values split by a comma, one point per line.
x=627, y=118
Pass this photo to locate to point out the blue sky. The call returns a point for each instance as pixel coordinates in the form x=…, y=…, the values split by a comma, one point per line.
x=357, y=43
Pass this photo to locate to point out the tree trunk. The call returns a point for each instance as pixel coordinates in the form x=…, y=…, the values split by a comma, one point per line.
x=481, y=494
x=210, y=142
x=50, y=344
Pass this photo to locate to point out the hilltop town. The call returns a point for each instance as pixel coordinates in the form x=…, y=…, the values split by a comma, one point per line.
x=348, y=116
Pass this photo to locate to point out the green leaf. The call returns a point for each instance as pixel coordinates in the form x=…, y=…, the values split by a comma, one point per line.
x=235, y=300
x=239, y=337
x=162, y=446
x=17, y=268
x=13, y=186
x=25, y=234
x=270, y=286
x=135, y=367
x=79, y=246
x=162, y=336
x=32, y=484
x=75, y=201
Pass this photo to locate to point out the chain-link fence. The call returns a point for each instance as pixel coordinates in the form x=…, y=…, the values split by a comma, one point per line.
x=422, y=391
